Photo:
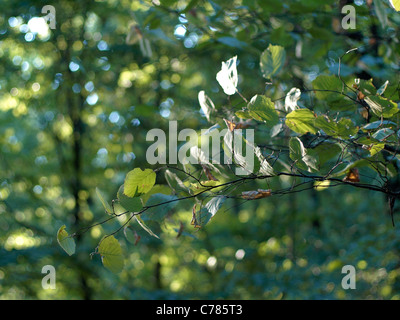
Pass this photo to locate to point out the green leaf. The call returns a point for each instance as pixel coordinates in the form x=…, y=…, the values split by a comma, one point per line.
x=131, y=235
x=262, y=108
x=376, y=148
x=367, y=87
x=65, y=241
x=297, y=150
x=247, y=166
x=327, y=152
x=130, y=204
x=175, y=182
x=243, y=114
x=158, y=188
x=159, y=212
x=381, y=106
x=344, y=128
x=197, y=188
x=204, y=215
x=145, y=227
x=215, y=204
x=382, y=88
x=380, y=10
x=377, y=124
x=362, y=163
x=111, y=254
x=301, y=121
x=138, y=182
x=299, y=154
x=383, y=134
x=272, y=60
x=327, y=88
x=105, y=204
x=206, y=104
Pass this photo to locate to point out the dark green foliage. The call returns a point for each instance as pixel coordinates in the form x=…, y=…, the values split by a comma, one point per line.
x=77, y=102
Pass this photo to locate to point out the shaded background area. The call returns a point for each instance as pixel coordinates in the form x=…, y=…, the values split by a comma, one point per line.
x=76, y=103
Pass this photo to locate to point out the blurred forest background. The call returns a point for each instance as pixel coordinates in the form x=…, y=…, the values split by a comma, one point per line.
x=77, y=101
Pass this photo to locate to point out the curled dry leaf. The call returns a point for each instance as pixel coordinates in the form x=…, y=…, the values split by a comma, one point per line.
x=180, y=229
x=208, y=173
x=237, y=125
x=259, y=194
x=360, y=95
x=231, y=125
x=194, y=220
x=352, y=176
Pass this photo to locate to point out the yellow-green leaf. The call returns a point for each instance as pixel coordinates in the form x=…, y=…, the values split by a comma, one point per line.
x=261, y=108
x=205, y=185
x=395, y=4
x=65, y=241
x=111, y=254
x=327, y=87
x=138, y=182
x=105, y=204
x=301, y=121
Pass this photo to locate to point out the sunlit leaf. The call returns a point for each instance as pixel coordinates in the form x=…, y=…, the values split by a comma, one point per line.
x=206, y=104
x=321, y=185
x=291, y=99
x=228, y=77
x=215, y=204
x=205, y=185
x=105, y=204
x=138, y=182
x=65, y=241
x=376, y=148
x=111, y=254
x=301, y=121
x=298, y=153
x=382, y=107
x=395, y=4
x=261, y=108
x=382, y=89
x=344, y=128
